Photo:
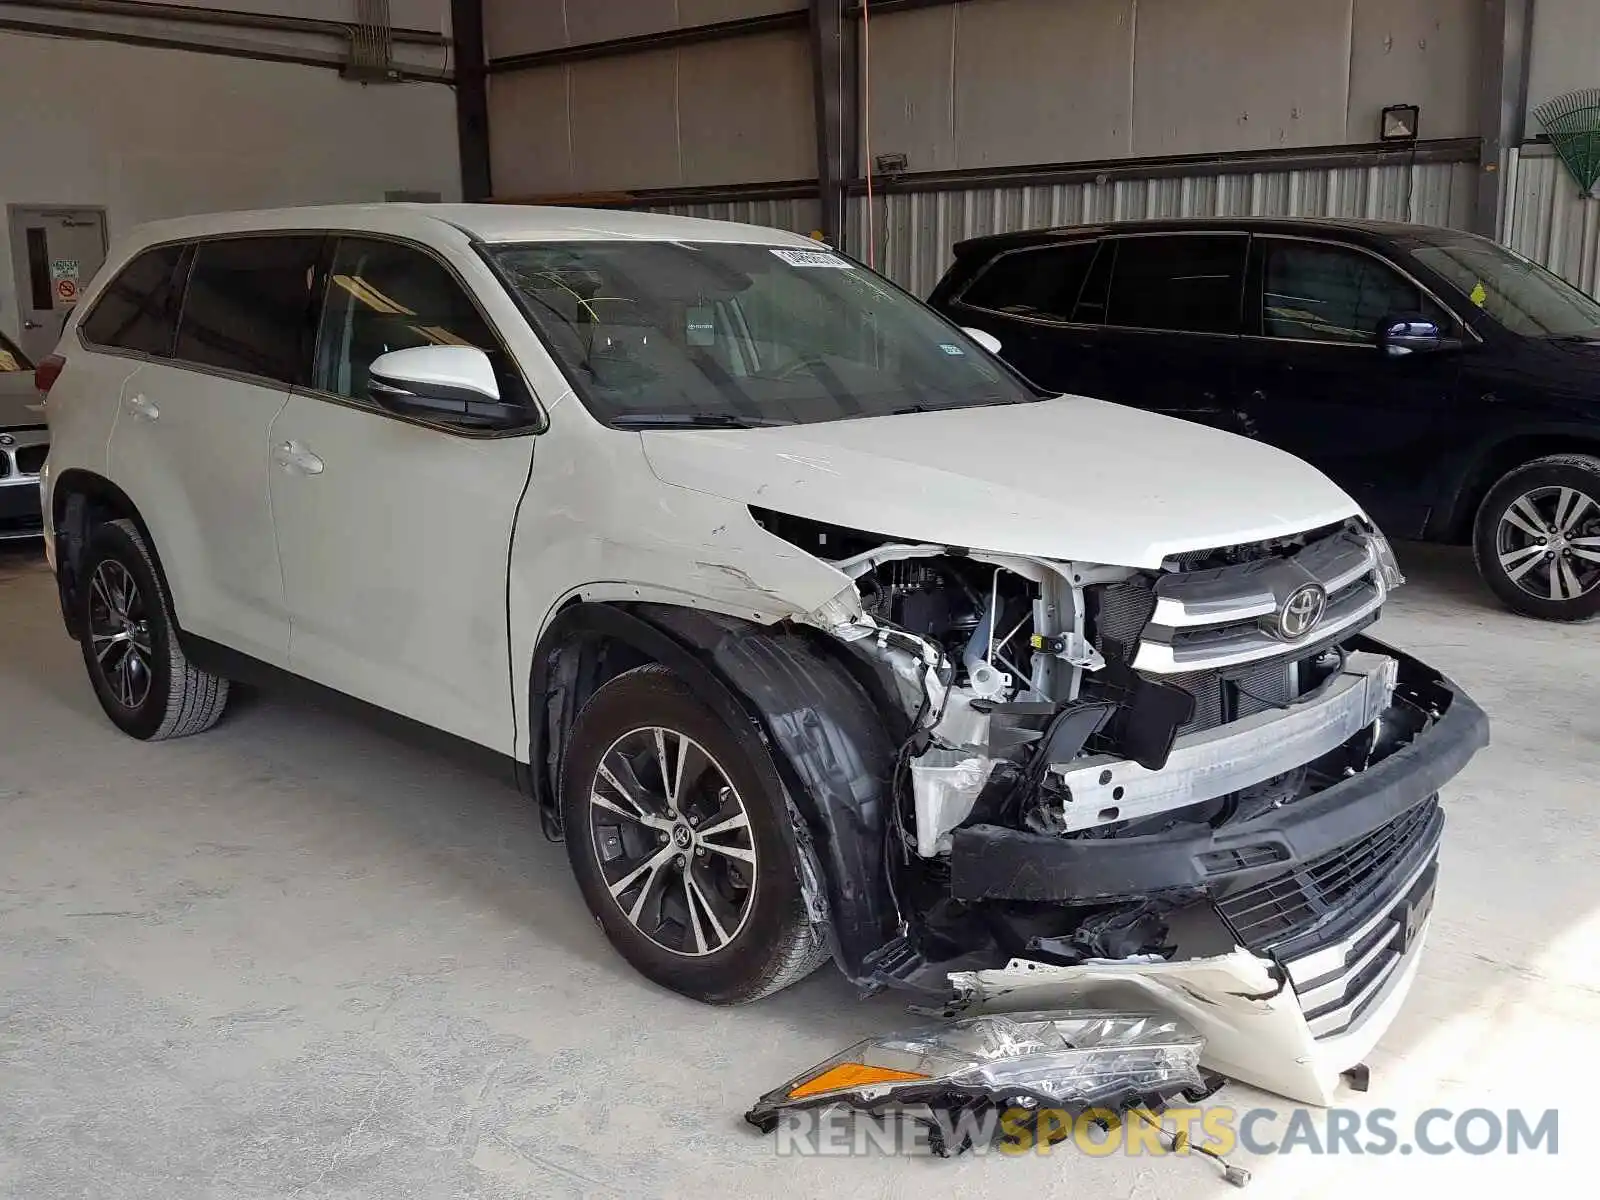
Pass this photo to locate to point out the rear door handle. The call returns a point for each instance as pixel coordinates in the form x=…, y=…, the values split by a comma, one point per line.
x=295, y=459
x=143, y=408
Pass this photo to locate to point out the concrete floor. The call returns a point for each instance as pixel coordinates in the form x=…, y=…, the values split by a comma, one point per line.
x=296, y=957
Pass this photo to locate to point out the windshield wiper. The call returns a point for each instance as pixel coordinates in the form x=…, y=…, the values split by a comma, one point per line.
x=994, y=403
x=687, y=421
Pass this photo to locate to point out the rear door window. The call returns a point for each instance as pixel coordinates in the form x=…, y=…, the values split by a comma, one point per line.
x=138, y=310
x=1042, y=283
x=248, y=306
x=1316, y=292
x=1185, y=283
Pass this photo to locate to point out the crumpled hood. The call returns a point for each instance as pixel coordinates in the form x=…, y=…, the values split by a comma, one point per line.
x=1068, y=478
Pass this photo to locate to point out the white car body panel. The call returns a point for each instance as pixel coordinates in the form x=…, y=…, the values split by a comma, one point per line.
x=399, y=600
x=1033, y=479
x=192, y=446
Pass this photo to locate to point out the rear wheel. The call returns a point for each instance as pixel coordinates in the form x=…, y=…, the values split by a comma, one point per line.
x=1537, y=538
x=130, y=645
x=675, y=826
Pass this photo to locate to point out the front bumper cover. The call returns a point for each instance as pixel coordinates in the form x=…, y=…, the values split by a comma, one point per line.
x=989, y=862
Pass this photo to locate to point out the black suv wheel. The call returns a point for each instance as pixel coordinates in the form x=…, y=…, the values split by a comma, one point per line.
x=1537, y=538
x=676, y=829
x=140, y=675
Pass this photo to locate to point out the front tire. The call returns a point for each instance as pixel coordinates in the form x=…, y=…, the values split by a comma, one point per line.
x=1537, y=538
x=130, y=645
x=676, y=827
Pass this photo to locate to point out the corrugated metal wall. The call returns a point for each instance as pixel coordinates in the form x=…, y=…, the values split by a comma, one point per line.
x=798, y=216
x=1551, y=223
x=913, y=231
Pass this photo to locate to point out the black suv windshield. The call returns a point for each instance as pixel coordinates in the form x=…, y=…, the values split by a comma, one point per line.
x=1521, y=295
x=708, y=333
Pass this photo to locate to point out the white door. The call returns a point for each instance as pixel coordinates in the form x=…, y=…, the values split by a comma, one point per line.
x=55, y=252
x=191, y=442
x=394, y=534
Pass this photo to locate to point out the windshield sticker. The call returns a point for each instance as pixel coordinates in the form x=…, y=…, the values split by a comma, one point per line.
x=955, y=351
x=1479, y=294
x=812, y=258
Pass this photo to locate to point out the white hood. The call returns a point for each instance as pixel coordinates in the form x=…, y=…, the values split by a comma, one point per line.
x=1068, y=478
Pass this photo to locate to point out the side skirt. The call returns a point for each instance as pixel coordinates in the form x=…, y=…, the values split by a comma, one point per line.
x=243, y=668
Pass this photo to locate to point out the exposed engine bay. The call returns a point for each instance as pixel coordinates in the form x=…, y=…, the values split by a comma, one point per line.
x=1110, y=773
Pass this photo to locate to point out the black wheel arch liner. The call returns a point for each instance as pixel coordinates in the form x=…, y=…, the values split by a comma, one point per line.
x=988, y=862
x=73, y=494
x=823, y=726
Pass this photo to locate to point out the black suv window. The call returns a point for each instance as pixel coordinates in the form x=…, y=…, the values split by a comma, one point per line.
x=1321, y=293
x=1042, y=283
x=139, y=308
x=383, y=296
x=1187, y=283
x=248, y=306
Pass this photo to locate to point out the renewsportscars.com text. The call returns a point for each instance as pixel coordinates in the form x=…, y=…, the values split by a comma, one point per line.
x=1218, y=1128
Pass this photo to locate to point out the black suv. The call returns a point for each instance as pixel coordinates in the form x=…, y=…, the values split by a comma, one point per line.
x=1451, y=386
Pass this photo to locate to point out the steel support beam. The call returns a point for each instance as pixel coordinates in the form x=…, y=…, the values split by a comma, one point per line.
x=1506, y=44
x=472, y=99
x=228, y=18
x=1372, y=154
x=833, y=60
x=689, y=36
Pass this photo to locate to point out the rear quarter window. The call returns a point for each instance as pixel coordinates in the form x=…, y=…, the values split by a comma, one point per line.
x=138, y=310
x=1042, y=283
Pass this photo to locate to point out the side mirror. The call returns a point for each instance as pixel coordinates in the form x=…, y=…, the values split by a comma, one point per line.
x=452, y=383
x=1412, y=333
x=987, y=340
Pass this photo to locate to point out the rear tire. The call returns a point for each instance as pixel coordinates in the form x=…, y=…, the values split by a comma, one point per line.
x=130, y=645
x=1537, y=538
x=676, y=827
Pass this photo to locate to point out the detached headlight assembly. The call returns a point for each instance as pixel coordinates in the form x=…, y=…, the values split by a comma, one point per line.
x=1073, y=1060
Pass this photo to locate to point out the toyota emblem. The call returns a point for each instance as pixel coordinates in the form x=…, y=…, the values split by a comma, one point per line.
x=1301, y=611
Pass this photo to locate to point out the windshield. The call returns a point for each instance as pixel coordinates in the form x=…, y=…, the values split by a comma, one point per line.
x=663, y=333
x=1519, y=294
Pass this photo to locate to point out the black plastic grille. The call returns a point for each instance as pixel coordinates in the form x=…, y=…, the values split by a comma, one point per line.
x=1297, y=901
x=30, y=459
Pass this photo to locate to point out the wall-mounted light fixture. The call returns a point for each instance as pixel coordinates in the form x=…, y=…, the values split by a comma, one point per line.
x=1399, y=123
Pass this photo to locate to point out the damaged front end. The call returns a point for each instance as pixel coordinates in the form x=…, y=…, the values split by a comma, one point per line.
x=1198, y=789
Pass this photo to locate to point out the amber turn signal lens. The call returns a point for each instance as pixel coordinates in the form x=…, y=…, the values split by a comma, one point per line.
x=849, y=1075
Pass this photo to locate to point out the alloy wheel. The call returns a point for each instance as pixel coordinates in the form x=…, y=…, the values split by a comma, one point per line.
x=119, y=630
x=673, y=840
x=1548, y=543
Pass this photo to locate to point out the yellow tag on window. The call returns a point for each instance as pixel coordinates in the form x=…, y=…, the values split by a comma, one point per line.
x=8, y=362
x=1479, y=294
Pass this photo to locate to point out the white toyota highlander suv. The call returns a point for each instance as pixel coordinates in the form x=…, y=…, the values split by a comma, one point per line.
x=812, y=629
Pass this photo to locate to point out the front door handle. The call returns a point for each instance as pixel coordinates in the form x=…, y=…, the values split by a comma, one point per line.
x=145, y=410
x=295, y=459
x=32, y=325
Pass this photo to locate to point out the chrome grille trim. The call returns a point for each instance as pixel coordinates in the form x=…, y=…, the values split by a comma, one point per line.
x=1205, y=620
x=1334, y=984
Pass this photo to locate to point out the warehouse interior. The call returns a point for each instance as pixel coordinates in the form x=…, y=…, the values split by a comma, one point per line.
x=303, y=955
